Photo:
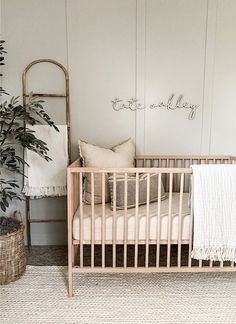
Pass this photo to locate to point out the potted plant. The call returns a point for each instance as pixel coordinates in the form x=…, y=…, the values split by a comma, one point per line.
x=14, y=138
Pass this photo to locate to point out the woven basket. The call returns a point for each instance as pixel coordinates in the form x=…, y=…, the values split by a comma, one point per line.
x=12, y=256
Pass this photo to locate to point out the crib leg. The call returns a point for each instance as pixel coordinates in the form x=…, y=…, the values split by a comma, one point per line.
x=70, y=283
x=70, y=273
x=70, y=266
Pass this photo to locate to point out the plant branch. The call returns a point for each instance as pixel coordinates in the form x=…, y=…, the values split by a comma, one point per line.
x=14, y=133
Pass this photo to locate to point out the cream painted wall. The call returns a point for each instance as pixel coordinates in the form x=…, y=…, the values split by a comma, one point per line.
x=101, y=54
x=223, y=124
x=125, y=48
x=175, y=53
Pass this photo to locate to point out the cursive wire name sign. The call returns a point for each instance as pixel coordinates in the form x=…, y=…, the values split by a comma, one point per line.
x=170, y=104
x=132, y=104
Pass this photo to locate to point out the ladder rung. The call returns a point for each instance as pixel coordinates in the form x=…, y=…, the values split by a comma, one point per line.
x=47, y=220
x=47, y=95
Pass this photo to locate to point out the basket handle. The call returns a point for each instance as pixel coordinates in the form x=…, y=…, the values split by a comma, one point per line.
x=18, y=215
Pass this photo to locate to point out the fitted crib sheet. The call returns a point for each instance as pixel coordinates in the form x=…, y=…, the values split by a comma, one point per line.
x=142, y=212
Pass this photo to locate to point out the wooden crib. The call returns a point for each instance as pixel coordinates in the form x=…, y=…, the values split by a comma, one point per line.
x=156, y=237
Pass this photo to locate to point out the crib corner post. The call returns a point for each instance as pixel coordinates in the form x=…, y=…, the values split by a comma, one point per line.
x=69, y=224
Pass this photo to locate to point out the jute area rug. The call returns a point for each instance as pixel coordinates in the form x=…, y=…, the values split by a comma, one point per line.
x=40, y=296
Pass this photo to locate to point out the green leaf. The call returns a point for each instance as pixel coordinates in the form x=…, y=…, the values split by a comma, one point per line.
x=14, y=135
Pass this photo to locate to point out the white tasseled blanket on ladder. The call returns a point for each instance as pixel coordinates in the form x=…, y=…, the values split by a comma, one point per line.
x=214, y=189
x=47, y=179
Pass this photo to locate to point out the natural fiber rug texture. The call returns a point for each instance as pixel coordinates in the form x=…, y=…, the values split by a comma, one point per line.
x=40, y=296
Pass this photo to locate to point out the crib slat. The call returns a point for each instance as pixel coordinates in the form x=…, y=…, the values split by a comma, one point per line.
x=191, y=228
x=125, y=221
x=136, y=220
x=93, y=222
x=175, y=184
x=114, y=223
x=169, y=220
x=81, y=219
x=103, y=221
x=167, y=175
x=147, y=221
x=158, y=222
x=180, y=218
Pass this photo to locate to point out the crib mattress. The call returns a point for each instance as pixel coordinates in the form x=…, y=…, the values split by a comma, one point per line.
x=142, y=221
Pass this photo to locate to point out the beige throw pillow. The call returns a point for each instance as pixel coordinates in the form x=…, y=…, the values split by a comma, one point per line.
x=131, y=190
x=120, y=156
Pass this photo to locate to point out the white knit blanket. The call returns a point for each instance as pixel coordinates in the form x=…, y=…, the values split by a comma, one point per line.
x=47, y=179
x=214, y=191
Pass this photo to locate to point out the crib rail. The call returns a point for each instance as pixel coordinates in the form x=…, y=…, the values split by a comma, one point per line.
x=158, y=253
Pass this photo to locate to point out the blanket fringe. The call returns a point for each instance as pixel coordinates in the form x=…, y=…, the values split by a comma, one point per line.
x=49, y=191
x=214, y=254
